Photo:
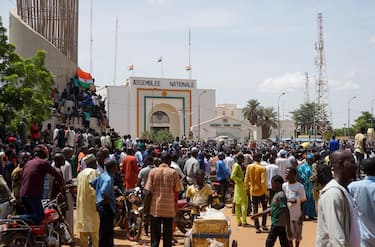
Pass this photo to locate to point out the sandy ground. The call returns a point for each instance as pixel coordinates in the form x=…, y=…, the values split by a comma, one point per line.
x=244, y=236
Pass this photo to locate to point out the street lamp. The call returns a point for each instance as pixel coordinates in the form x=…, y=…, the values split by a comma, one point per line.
x=349, y=101
x=372, y=112
x=278, y=113
x=199, y=114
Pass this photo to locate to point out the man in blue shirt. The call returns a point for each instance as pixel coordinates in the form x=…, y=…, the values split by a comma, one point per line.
x=334, y=144
x=363, y=192
x=105, y=202
x=222, y=175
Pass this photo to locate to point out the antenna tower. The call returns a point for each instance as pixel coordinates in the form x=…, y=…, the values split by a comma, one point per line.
x=321, y=121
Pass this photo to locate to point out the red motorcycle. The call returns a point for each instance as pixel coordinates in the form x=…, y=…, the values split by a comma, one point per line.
x=53, y=230
x=129, y=212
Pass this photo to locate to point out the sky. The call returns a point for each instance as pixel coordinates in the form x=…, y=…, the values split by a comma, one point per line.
x=242, y=48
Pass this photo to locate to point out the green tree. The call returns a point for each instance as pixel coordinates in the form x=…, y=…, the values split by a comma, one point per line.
x=160, y=136
x=365, y=119
x=309, y=117
x=251, y=111
x=260, y=116
x=304, y=117
x=267, y=119
x=26, y=85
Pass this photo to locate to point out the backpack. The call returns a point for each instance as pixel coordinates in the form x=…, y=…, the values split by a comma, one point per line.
x=324, y=173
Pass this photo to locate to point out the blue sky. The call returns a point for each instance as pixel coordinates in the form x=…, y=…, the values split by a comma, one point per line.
x=243, y=49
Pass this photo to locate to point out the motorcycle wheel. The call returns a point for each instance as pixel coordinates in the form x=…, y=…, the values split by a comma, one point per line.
x=181, y=227
x=134, y=227
x=184, y=220
x=117, y=219
x=66, y=237
x=16, y=240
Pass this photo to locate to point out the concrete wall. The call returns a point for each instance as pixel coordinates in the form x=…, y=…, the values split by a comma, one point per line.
x=28, y=41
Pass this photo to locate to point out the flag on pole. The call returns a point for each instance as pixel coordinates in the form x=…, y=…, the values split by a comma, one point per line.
x=188, y=67
x=84, y=79
x=131, y=67
x=160, y=60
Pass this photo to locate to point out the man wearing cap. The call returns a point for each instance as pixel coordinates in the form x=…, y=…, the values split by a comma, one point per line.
x=87, y=221
x=283, y=163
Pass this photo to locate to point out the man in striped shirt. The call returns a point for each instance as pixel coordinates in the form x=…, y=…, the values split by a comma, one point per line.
x=163, y=182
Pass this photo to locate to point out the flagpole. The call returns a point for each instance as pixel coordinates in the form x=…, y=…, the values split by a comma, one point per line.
x=161, y=68
x=115, y=55
x=190, y=72
x=91, y=37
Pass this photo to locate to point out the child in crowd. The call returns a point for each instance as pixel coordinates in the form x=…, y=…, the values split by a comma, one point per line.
x=295, y=195
x=199, y=195
x=279, y=215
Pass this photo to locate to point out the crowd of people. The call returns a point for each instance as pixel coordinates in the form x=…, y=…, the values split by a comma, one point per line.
x=292, y=182
x=76, y=103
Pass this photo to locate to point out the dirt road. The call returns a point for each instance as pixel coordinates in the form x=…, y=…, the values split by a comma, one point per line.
x=244, y=236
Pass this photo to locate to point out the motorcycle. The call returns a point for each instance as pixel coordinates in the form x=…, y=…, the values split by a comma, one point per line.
x=129, y=212
x=7, y=200
x=53, y=230
x=184, y=220
x=61, y=225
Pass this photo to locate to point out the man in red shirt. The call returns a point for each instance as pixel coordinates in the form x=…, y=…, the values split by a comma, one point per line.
x=32, y=180
x=35, y=132
x=130, y=170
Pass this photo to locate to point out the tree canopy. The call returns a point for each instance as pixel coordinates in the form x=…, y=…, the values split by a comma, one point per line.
x=310, y=119
x=364, y=120
x=26, y=85
x=266, y=117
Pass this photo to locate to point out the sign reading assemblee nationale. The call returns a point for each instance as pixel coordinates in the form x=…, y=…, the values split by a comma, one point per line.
x=162, y=83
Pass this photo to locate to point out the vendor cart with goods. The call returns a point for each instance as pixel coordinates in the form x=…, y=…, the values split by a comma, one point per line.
x=211, y=230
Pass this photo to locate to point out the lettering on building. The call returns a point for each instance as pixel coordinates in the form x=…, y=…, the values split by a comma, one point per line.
x=181, y=84
x=149, y=83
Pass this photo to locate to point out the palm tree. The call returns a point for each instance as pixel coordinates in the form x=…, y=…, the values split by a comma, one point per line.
x=267, y=120
x=251, y=111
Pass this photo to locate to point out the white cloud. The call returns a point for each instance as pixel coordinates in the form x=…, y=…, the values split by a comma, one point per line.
x=343, y=85
x=288, y=82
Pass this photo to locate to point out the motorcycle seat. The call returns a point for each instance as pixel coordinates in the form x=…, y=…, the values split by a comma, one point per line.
x=181, y=203
x=17, y=217
x=127, y=192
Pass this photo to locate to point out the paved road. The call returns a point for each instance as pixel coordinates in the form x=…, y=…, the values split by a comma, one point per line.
x=244, y=236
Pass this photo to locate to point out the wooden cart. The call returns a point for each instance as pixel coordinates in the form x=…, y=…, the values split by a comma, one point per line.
x=204, y=229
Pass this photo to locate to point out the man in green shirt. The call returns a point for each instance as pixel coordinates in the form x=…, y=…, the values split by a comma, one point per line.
x=279, y=215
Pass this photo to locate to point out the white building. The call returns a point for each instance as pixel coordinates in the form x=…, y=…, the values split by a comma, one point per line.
x=287, y=129
x=145, y=103
x=233, y=128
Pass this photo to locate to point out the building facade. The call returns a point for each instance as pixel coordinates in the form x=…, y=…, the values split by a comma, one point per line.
x=145, y=104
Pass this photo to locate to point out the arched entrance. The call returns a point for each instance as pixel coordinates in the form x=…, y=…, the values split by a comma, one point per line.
x=159, y=121
x=165, y=116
